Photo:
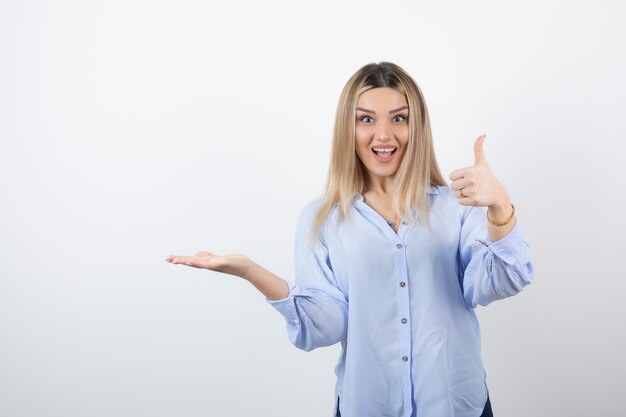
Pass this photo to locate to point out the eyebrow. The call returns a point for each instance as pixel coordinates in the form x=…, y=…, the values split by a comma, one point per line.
x=392, y=111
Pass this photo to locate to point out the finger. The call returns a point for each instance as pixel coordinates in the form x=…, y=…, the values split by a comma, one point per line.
x=459, y=184
x=471, y=197
x=467, y=198
x=462, y=193
x=479, y=154
x=177, y=259
x=459, y=173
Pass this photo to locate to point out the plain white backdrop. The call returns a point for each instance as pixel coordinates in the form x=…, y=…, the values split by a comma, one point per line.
x=132, y=130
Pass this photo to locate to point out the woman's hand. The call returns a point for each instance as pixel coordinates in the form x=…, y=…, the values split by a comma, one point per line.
x=233, y=264
x=477, y=186
x=270, y=284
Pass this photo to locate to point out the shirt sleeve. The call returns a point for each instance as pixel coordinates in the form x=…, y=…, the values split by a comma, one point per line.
x=316, y=310
x=491, y=270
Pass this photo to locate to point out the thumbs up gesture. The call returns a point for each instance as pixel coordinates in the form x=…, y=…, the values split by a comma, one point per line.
x=476, y=185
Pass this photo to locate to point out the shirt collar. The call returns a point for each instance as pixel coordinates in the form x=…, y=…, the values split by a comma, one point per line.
x=432, y=190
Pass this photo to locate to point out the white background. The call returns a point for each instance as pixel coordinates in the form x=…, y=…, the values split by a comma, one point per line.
x=131, y=130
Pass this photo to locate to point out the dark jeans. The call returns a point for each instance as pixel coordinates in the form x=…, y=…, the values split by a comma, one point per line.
x=486, y=411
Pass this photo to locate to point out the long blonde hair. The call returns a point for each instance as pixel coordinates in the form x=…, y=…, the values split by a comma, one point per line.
x=346, y=173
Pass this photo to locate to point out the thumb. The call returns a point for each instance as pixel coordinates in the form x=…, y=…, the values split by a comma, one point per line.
x=479, y=154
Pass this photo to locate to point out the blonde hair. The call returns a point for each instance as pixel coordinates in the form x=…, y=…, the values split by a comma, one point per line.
x=346, y=173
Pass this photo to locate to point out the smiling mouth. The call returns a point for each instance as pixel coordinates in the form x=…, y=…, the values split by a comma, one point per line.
x=384, y=157
x=385, y=154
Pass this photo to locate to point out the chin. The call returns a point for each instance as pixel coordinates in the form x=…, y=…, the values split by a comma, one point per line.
x=391, y=171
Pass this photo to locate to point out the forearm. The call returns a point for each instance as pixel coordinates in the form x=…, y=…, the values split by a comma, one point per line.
x=493, y=271
x=268, y=283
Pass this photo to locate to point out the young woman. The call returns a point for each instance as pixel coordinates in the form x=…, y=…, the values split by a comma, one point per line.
x=392, y=261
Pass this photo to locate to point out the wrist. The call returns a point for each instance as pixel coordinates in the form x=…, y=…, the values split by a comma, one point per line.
x=247, y=266
x=502, y=204
x=502, y=212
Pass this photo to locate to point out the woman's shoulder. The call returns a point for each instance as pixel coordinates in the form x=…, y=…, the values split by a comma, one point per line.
x=312, y=207
x=442, y=195
x=443, y=190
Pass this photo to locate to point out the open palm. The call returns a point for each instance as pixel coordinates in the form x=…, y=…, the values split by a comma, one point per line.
x=233, y=264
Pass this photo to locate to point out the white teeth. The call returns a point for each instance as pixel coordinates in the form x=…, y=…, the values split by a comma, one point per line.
x=384, y=149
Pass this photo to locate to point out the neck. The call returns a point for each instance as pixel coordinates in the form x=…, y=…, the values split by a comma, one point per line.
x=380, y=185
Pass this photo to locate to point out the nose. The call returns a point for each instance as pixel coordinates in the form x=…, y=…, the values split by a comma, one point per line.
x=383, y=131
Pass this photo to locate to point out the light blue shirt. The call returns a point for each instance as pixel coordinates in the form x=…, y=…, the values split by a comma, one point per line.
x=402, y=305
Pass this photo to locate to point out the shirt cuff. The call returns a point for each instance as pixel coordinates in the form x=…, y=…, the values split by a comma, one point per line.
x=287, y=306
x=508, y=248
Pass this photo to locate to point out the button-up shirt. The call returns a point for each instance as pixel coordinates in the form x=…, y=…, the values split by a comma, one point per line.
x=402, y=304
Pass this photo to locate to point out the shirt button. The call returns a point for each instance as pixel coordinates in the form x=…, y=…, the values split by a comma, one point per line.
x=405, y=222
x=402, y=283
x=405, y=358
x=399, y=246
x=403, y=321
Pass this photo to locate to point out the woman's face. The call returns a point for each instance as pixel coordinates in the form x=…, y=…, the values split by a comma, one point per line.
x=382, y=122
